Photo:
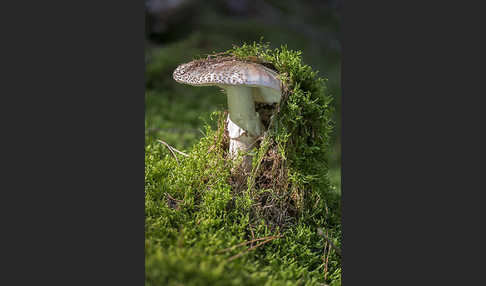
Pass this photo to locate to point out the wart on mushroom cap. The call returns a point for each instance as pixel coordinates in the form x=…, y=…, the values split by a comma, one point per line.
x=245, y=83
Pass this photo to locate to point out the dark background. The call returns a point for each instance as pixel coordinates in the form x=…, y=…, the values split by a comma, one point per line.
x=412, y=140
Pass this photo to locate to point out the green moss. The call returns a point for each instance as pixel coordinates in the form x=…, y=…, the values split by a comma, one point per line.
x=194, y=209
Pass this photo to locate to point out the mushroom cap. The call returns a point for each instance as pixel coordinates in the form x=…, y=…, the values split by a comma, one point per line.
x=230, y=72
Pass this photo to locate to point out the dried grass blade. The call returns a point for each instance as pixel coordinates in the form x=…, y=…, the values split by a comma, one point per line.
x=252, y=248
x=247, y=242
x=172, y=149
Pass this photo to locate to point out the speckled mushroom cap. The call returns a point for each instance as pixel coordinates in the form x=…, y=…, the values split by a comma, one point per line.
x=231, y=72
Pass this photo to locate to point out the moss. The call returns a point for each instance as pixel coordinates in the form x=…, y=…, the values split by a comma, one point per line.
x=196, y=209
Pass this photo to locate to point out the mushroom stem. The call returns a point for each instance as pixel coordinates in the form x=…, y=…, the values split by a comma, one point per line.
x=244, y=125
x=242, y=109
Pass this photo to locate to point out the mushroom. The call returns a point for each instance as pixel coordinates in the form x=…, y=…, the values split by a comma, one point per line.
x=245, y=84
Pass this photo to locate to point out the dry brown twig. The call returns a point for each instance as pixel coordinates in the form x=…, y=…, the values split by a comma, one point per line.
x=248, y=242
x=325, y=258
x=172, y=202
x=337, y=249
x=172, y=149
x=252, y=248
x=170, y=197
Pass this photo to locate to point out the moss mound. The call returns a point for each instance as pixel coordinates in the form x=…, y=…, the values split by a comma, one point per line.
x=207, y=225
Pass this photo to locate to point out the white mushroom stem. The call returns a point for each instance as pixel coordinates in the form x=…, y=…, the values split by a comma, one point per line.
x=244, y=125
x=239, y=139
x=242, y=109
